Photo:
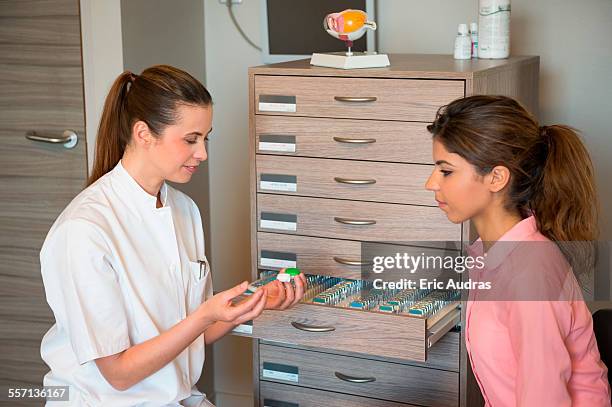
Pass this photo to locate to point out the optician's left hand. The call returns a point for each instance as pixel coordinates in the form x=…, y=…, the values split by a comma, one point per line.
x=281, y=296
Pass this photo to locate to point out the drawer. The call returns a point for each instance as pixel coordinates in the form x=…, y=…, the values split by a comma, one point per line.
x=311, y=254
x=359, y=377
x=345, y=179
x=273, y=394
x=366, y=140
x=399, y=336
x=443, y=355
x=354, y=98
x=332, y=257
x=365, y=221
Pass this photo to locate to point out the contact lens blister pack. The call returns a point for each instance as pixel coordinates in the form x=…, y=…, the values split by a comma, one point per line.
x=361, y=295
x=267, y=276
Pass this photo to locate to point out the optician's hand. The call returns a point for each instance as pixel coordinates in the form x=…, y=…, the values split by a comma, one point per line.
x=223, y=306
x=284, y=295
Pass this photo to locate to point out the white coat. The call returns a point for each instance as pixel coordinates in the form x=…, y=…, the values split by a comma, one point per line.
x=119, y=271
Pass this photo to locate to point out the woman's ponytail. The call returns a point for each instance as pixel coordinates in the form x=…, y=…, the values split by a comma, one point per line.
x=114, y=131
x=565, y=200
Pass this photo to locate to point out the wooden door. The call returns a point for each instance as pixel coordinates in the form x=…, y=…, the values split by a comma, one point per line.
x=41, y=95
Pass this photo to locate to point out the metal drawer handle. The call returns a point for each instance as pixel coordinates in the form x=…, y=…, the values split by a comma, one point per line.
x=356, y=222
x=355, y=140
x=312, y=328
x=350, y=181
x=353, y=379
x=347, y=262
x=68, y=138
x=352, y=99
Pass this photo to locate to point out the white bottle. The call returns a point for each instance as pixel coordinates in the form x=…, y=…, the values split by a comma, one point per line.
x=463, y=43
x=494, y=29
x=474, y=38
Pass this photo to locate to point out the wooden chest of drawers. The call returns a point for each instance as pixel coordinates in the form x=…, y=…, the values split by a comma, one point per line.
x=339, y=158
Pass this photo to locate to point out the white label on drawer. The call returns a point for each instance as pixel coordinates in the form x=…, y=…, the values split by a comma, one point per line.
x=278, y=186
x=277, y=103
x=272, y=224
x=244, y=329
x=280, y=372
x=277, y=142
x=276, y=263
x=278, y=182
x=278, y=221
x=282, y=147
x=269, y=258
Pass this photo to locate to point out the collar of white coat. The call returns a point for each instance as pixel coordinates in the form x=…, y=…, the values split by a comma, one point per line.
x=137, y=193
x=520, y=232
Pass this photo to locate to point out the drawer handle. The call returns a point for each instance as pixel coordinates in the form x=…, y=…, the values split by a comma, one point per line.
x=347, y=262
x=352, y=99
x=355, y=140
x=341, y=180
x=312, y=328
x=356, y=222
x=353, y=379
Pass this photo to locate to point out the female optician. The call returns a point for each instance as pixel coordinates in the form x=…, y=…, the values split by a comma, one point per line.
x=530, y=341
x=124, y=267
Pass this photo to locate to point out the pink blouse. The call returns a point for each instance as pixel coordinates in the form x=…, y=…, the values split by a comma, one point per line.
x=530, y=336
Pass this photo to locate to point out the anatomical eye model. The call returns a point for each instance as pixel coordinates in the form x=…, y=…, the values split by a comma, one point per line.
x=349, y=25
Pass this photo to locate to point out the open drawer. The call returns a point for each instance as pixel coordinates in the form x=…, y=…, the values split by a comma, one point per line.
x=367, y=332
x=342, y=328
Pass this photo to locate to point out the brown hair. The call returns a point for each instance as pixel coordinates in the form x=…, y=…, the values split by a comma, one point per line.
x=551, y=172
x=153, y=97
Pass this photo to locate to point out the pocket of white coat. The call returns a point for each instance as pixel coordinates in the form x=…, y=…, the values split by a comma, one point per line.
x=199, y=283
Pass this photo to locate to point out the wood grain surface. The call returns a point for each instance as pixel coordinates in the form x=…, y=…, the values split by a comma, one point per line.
x=316, y=177
x=394, y=382
x=404, y=100
x=403, y=142
x=393, y=223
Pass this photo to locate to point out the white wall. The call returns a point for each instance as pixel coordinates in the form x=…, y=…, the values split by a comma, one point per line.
x=227, y=58
x=572, y=38
x=102, y=60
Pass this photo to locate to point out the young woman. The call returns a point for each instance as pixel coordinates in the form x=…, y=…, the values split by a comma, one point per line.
x=522, y=186
x=124, y=267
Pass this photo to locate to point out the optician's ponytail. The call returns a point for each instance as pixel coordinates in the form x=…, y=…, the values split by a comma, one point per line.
x=552, y=174
x=152, y=97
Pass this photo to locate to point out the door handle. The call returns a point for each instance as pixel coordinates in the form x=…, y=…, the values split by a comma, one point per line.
x=353, y=379
x=68, y=138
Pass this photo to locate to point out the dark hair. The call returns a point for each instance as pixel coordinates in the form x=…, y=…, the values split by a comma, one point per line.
x=153, y=97
x=552, y=174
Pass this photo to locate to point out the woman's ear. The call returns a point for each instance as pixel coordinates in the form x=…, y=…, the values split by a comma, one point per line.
x=141, y=134
x=498, y=178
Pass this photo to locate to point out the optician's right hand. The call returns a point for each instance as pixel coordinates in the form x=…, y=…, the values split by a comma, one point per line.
x=222, y=306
